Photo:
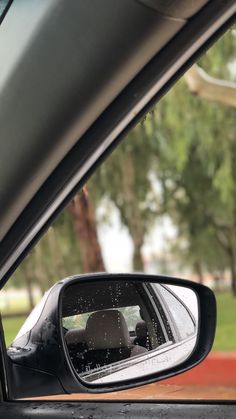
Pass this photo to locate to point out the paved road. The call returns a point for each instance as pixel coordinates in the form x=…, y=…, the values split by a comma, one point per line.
x=158, y=392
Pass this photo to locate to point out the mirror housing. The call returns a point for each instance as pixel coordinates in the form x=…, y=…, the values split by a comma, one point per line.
x=39, y=361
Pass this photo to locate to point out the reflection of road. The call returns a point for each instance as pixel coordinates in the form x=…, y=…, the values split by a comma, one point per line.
x=213, y=379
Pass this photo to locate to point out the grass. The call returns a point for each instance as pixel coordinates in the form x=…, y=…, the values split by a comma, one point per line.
x=225, y=339
x=11, y=328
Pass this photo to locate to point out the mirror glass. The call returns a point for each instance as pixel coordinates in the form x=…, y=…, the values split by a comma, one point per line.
x=116, y=330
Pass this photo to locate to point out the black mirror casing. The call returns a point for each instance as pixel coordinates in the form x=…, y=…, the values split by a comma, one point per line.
x=39, y=363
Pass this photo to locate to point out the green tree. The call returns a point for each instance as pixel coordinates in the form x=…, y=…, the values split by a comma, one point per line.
x=196, y=169
x=124, y=180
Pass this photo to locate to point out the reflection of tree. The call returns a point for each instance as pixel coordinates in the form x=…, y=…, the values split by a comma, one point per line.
x=76, y=321
x=131, y=315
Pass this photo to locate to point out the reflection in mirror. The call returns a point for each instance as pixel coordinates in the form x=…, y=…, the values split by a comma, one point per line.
x=122, y=329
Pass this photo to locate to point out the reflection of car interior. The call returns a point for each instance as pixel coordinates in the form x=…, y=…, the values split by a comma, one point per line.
x=123, y=324
x=105, y=340
x=75, y=340
x=141, y=332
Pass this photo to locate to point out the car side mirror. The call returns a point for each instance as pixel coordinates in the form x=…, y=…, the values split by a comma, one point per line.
x=107, y=332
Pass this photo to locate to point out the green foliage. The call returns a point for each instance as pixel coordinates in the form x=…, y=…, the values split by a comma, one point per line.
x=55, y=256
x=11, y=328
x=124, y=180
x=217, y=58
x=195, y=164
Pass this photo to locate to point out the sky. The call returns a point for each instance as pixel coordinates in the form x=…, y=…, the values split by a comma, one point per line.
x=117, y=247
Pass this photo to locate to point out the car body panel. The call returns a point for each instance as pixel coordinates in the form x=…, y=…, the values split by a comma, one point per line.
x=124, y=409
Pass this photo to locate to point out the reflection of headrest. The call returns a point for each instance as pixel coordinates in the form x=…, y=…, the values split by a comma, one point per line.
x=141, y=329
x=106, y=329
x=75, y=336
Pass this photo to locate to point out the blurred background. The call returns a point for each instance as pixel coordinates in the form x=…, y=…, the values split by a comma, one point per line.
x=164, y=202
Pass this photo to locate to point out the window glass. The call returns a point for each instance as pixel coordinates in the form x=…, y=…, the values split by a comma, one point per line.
x=162, y=203
x=33, y=317
x=180, y=315
x=3, y=5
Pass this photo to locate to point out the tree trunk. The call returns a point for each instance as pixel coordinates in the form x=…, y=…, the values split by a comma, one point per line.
x=28, y=281
x=216, y=277
x=137, y=258
x=132, y=215
x=201, y=84
x=198, y=269
x=58, y=269
x=30, y=294
x=83, y=217
x=233, y=275
x=40, y=270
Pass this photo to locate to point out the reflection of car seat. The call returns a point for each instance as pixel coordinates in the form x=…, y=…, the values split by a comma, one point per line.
x=107, y=339
x=75, y=336
x=75, y=340
x=141, y=331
